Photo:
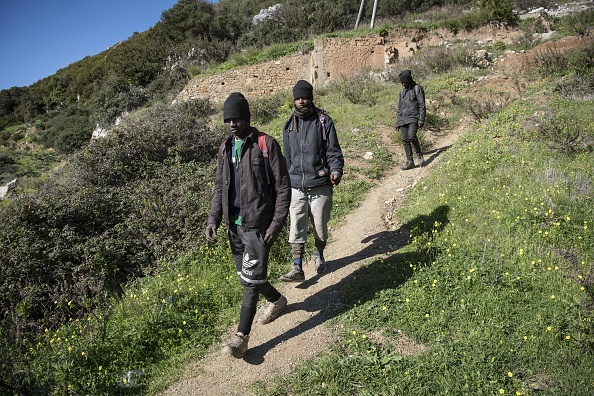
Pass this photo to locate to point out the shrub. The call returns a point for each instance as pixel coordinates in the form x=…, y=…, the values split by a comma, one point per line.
x=268, y=108
x=501, y=11
x=115, y=99
x=434, y=60
x=560, y=132
x=139, y=195
x=68, y=130
x=579, y=24
x=483, y=107
x=359, y=88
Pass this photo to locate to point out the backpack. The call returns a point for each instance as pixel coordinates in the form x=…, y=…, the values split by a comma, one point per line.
x=264, y=149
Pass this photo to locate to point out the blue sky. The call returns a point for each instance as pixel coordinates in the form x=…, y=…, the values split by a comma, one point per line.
x=39, y=37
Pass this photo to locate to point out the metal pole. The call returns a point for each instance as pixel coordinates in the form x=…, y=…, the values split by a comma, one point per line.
x=374, y=11
x=360, y=13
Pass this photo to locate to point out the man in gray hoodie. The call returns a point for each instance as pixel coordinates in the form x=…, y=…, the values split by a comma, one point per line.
x=315, y=163
x=411, y=117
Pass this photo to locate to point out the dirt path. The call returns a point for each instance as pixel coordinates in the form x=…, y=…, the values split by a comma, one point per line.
x=303, y=330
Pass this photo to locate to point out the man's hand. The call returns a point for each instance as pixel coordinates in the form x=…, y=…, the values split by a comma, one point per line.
x=272, y=234
x=335, y=179
x=420, y=124
x=211, y=233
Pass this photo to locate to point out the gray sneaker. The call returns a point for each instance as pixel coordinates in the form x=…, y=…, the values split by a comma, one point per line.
x=320, y=264
x=420, y=160
x=273, y=310
x=237, y=346
x=293, y=276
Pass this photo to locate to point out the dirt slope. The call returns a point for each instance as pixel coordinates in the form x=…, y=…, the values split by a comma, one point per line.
x=303, y=330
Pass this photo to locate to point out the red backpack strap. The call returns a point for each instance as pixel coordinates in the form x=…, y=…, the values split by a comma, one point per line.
x=262, y=144
x=264, y=149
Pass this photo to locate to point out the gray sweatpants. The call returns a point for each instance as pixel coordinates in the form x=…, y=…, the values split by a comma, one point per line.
x=313, y=204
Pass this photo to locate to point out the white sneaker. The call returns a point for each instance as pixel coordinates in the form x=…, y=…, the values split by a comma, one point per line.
x=273, y=310
x=237, y=346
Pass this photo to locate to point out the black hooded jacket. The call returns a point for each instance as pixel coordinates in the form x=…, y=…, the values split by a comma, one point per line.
x=411, y=105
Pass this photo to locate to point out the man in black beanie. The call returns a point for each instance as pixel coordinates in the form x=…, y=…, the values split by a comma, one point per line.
x=252, y=195
x=315, y=164
x=411, y=117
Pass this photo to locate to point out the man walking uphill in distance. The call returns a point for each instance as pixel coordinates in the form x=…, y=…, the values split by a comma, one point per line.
x=315, y=164
x=252, y=195
x=411, y=117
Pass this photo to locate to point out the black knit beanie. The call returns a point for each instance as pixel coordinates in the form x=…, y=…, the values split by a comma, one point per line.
x=236, y=106
x=303, y=89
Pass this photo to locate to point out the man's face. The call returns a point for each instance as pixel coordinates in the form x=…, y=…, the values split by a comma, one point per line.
x=302, y=103
x=237, y=127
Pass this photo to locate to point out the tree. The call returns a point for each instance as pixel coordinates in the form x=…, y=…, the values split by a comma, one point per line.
x=188, y=19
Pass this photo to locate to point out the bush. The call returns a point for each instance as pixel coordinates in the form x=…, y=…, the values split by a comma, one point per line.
x=560, y=132
x=68, y=130
x=358, y=89
x=268, y=108
x=434, y=60
x=139, y=195
x=115, y=99
x=579, y=24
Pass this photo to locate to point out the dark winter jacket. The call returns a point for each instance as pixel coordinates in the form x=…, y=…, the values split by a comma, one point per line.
x=411, y=105
x=261, y=203
x=311, y=157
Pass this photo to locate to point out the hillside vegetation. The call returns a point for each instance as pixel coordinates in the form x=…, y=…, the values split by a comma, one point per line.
x=106, y=286
x=54, y=117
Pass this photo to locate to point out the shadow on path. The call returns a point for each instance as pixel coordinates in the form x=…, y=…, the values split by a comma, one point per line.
x=361, y=285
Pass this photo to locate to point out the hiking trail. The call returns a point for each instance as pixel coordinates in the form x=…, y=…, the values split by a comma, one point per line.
x=304, y=330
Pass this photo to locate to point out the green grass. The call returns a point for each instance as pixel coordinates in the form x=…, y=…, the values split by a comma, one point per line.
x=495, y=287
x=253, y=56
x=493, y=294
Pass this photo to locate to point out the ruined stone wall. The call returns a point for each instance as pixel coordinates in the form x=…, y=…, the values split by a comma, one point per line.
x=334, y=58
x=253, y=80
x=330, y=59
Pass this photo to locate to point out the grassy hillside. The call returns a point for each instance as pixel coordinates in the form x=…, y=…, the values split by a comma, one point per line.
x=495, y=287
x=494, y=294
x=108, y=287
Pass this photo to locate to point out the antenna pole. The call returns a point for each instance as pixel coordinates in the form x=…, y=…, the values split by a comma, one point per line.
x=360, y=12
x=374, y=11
